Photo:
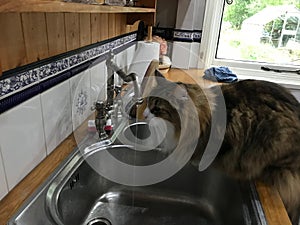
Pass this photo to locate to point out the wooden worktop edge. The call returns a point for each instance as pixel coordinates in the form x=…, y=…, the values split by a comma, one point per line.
x=272, y=204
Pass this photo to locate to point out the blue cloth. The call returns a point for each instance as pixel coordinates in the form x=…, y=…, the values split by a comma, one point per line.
x=220, y=74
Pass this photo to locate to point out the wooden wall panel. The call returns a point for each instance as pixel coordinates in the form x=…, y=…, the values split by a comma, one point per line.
x=111, y=25
x=35, y=36
x=12, y=45
x=72, y=30
x=56, y=33
x=118, y=21
x=85, y=29
x=0, y=67
x=31, y=36
x=95, y=27
x=123, y=23
x=104, y=26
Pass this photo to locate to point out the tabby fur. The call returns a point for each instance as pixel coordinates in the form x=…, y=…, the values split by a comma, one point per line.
x=262, y=137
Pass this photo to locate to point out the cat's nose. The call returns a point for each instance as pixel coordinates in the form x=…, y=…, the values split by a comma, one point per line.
x=146, y=113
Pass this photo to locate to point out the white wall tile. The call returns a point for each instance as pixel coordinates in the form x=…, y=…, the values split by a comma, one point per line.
x=144, y=54
x=190, y=14
x=199, y=14
x=57, y=115
x=81, y=98
x=181, y=55
x=98, y=82
x=185, y=14
x=130, y=54
x=22, y=139
x=3, y=183
x=296, y=93
x=194, y=55
x=121, y=61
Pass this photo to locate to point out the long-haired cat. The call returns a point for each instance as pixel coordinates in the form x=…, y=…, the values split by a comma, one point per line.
x=262, y=134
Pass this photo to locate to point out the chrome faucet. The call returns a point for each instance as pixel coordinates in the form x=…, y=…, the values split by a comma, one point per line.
x=107, y=108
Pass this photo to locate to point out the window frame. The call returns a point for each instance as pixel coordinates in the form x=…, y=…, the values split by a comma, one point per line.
x=243, y=69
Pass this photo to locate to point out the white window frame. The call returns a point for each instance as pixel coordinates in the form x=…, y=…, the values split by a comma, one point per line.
x=244, y=70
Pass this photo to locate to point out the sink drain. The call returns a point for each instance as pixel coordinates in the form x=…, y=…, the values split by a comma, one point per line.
x=99, y=221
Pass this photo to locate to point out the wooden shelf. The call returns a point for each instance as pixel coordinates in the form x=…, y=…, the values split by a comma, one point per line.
x=8, y=6
x=32, y=30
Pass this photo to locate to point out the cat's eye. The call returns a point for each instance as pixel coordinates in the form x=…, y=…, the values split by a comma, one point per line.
x=155, y=110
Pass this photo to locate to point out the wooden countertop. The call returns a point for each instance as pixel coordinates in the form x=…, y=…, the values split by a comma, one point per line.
x=270, y=199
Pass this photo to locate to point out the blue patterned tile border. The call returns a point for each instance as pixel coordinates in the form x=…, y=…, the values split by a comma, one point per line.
x=187, y=36
x=22, y=80
x=53, y=68
x=197, y=36
x=18, y=82
x=171, y=34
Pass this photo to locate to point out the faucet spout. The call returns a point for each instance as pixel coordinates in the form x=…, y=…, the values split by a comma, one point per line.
x=108, y=110
x=132, y=77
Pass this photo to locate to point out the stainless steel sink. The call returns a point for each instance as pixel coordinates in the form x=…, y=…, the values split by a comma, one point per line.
x=78, y=195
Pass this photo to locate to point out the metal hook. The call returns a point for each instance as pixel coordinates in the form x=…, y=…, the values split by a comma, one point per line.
x=229, y=2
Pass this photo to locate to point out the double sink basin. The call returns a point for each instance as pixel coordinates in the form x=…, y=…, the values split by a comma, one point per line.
x=77, y=194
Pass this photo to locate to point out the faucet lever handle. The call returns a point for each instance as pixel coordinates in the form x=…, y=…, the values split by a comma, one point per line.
x=118, y=89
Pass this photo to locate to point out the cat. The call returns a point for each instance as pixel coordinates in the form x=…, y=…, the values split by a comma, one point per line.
x=262, y=134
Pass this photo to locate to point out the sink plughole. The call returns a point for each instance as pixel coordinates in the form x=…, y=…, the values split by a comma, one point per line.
x=80, y=195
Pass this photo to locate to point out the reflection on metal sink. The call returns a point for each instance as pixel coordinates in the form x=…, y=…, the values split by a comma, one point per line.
x=80, y=195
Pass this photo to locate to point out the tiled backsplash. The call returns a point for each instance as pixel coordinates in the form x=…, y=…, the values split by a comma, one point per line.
x=42, y=106
x=57, y=114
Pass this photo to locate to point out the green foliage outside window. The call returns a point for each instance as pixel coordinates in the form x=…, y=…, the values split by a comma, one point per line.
x=240, y=10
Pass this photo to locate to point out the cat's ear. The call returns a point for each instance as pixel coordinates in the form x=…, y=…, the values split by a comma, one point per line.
x=152, y=78
x=180, y=92
x=159, y=74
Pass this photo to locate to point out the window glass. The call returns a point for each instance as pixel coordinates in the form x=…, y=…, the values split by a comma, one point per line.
x=261, y=31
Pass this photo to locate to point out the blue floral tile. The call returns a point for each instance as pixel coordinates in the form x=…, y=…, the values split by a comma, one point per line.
x=84, y=56
x=187, y=36
x=118, y=42
x=13, y=84
x=183, y=35
x=81, y=102
x=88, y=54
x=73, y=60
x=107, y=47
x=197, y=36
x=52, y=68
x=101, y=49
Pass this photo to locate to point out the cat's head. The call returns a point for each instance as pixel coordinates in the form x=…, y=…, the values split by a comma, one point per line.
x=183, y=106
x=174, y=101
x=163, y=99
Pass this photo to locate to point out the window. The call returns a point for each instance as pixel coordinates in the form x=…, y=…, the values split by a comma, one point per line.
x=251, y=35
